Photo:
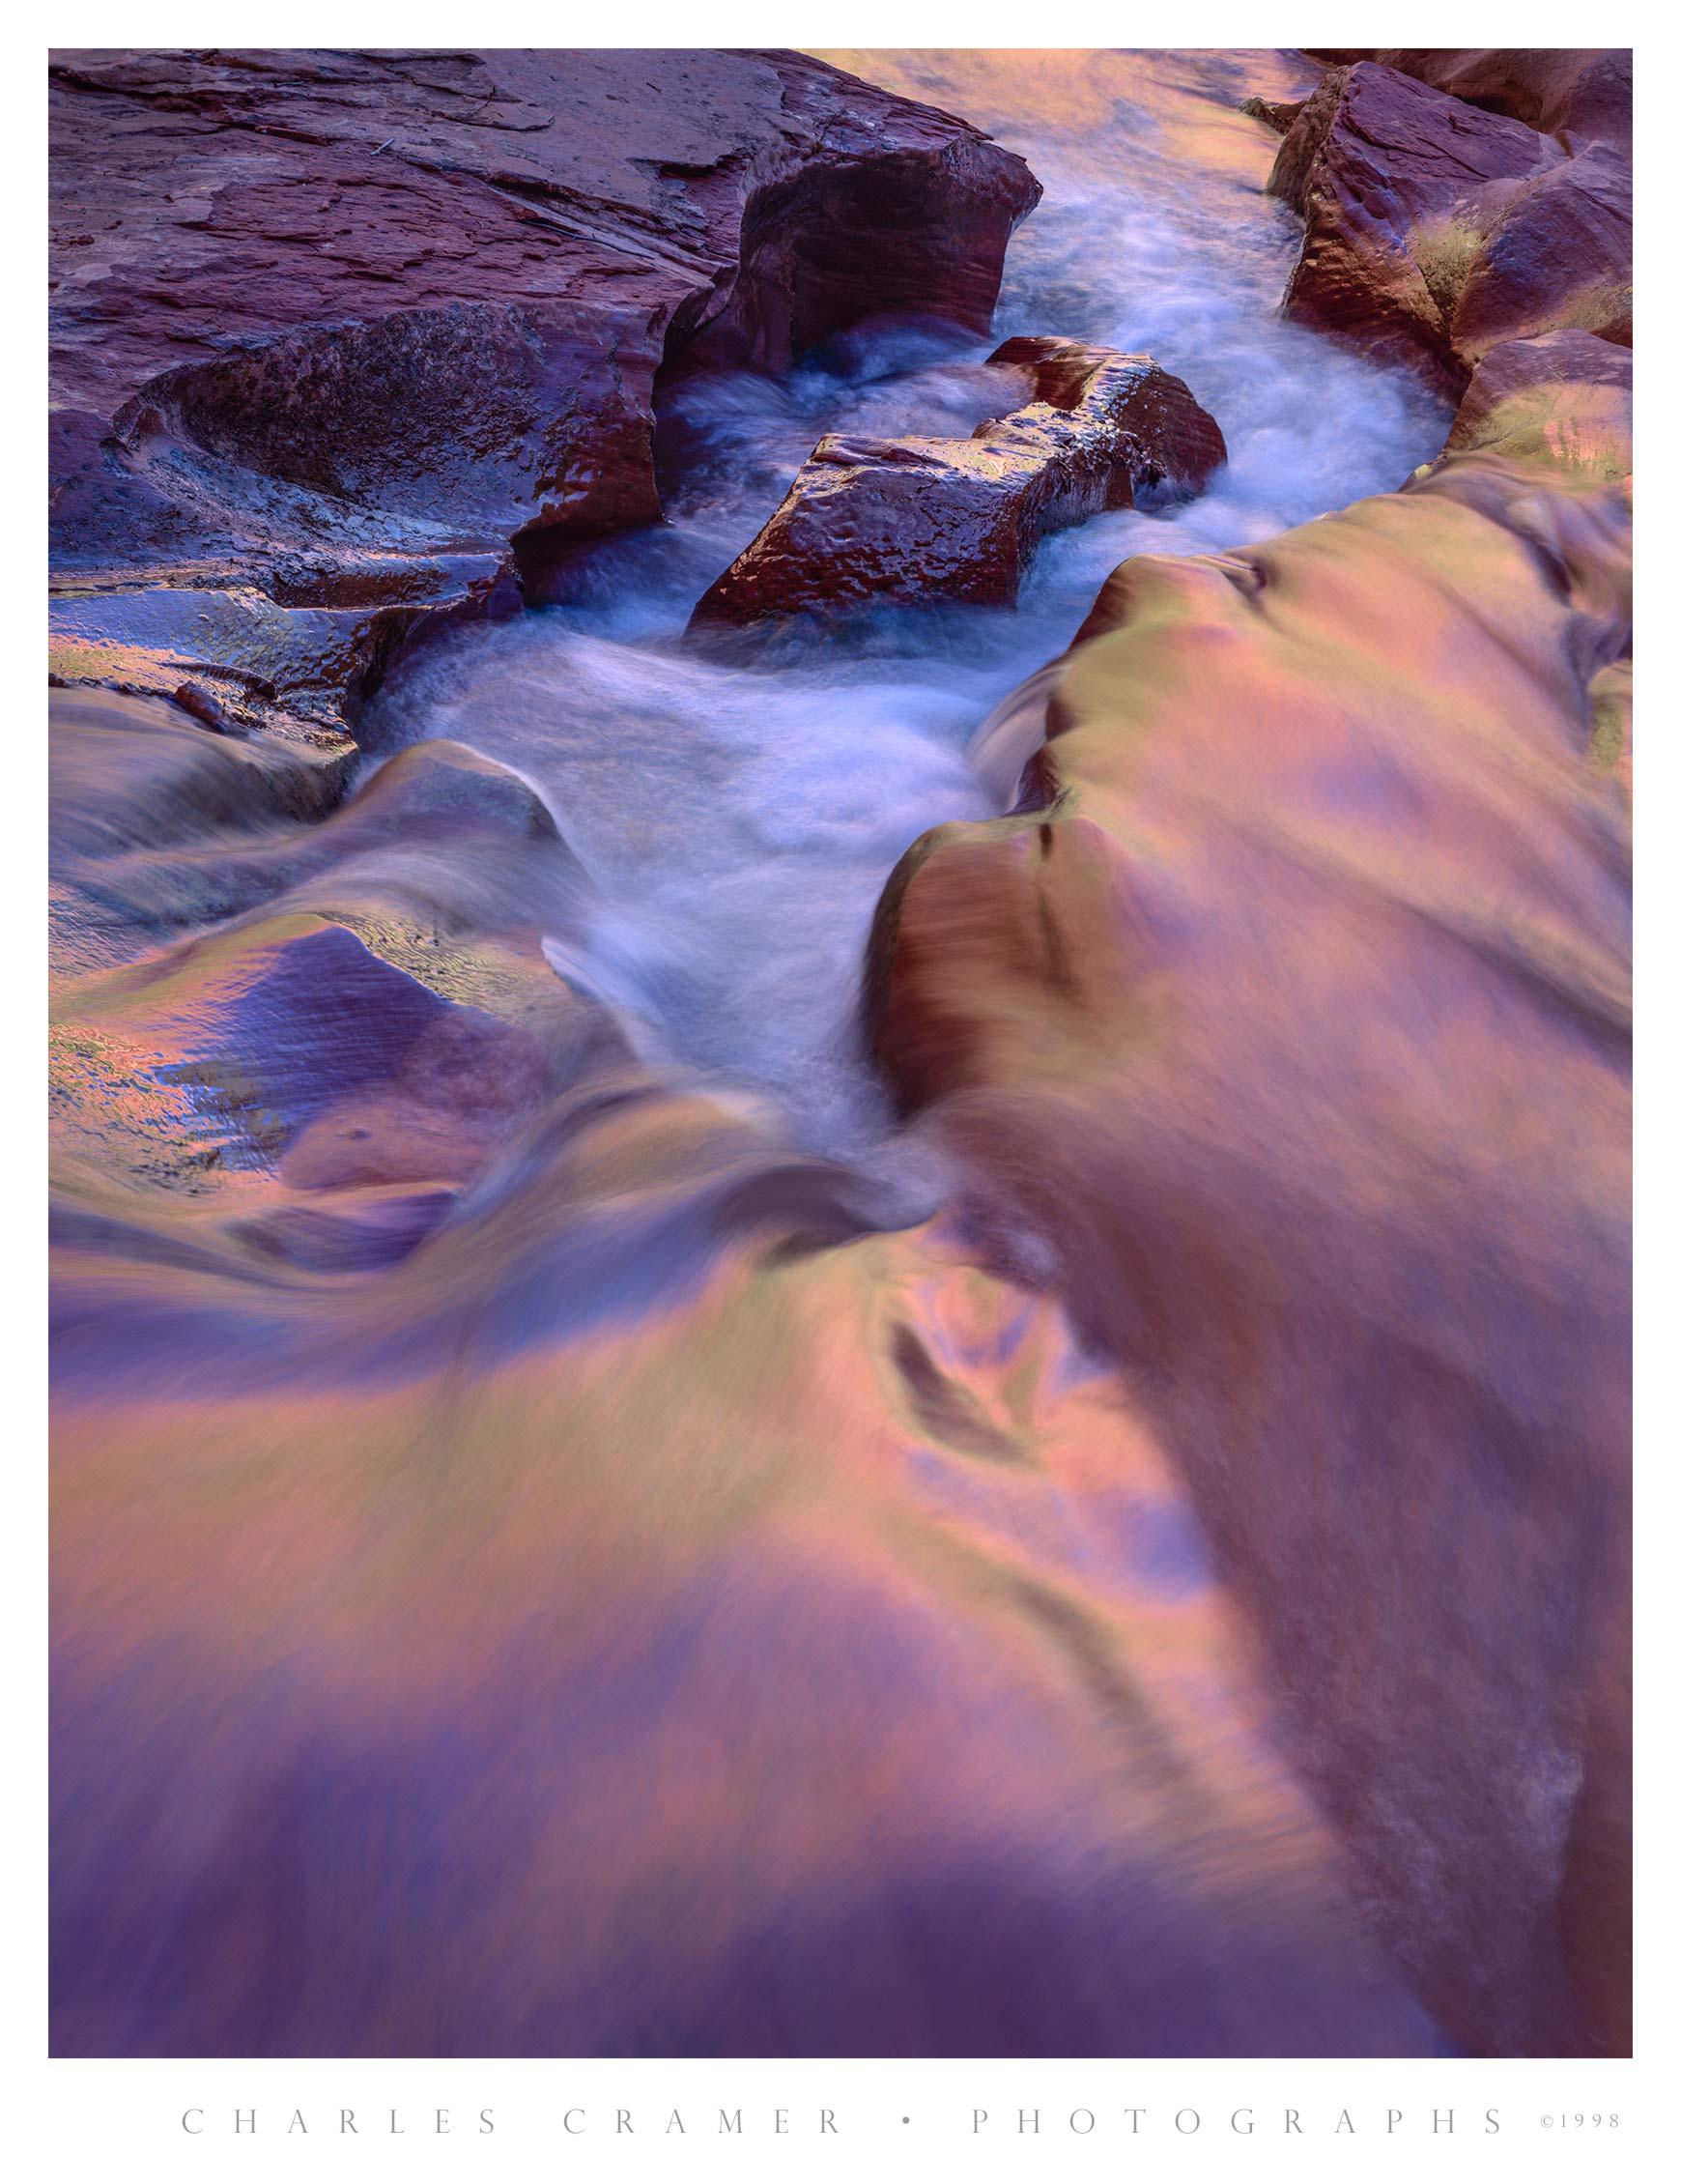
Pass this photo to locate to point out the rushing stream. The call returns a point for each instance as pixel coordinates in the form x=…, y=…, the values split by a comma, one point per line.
x=739, y=822
x=1132, y=1563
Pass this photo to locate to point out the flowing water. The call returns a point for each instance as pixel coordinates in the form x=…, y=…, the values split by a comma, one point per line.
x=739, y=821
x=625, y=1586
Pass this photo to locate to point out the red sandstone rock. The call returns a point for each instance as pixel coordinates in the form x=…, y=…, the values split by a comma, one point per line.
x=1435, y=231
x=899, y=522
x=1290, y=1040
x=1277, y=113
x=436, y=287
x=1564, y=398
x=1583, y=93
x=378, y=315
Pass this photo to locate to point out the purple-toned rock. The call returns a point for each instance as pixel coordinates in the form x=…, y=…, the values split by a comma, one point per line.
x=1564, y=398
x=439, y=298
x=1582, y=94
x=285, y=1046
x=902, y=522
x=1436, y=231
x=1313, y=817
x=342, y=328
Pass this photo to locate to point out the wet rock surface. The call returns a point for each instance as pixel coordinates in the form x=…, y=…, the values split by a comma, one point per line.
x=351, y=361
x=1132, y=1561
x=342, y=932
x=1277, y=113
x=1361, y=760
x=902, y=522
x=1435, y=231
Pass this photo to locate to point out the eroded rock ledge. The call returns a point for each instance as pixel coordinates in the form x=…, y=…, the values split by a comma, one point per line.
x=336, y=331
x=1291, y=1034
x=905, y=522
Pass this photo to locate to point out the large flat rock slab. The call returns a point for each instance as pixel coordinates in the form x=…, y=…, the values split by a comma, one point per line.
x=438, y=285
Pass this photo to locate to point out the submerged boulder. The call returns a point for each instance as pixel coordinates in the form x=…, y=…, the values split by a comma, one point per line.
x=445, y=864
x=901, y=522
x=286, y=1047
x=1435, y=231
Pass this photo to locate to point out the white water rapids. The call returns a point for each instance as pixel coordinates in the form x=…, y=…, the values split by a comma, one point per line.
x=739, y=822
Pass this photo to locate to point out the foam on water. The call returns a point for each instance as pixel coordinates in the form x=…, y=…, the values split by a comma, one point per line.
x=739, y=821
